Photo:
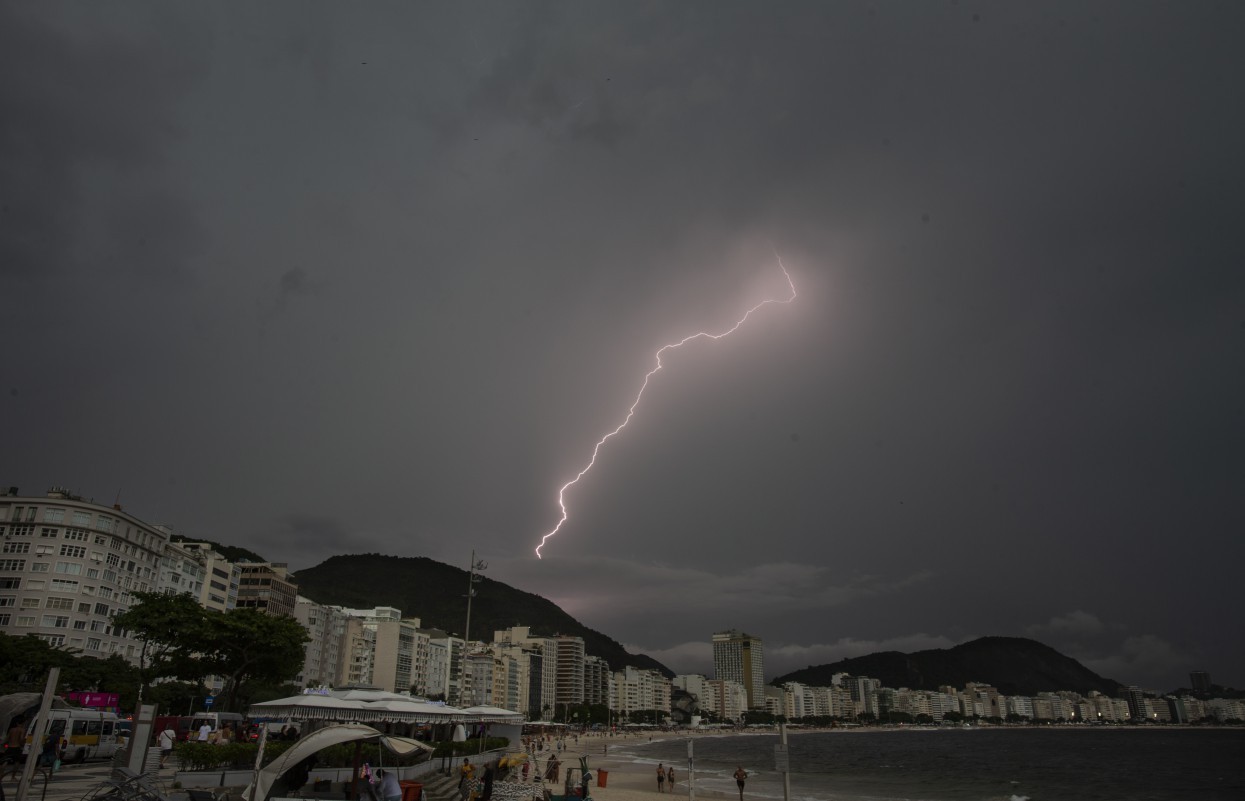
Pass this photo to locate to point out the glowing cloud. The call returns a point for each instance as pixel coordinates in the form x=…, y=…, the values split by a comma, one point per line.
x=644, y=385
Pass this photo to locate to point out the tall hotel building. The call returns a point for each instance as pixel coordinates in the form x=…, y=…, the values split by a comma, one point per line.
x=68, y=565
x=740, y=657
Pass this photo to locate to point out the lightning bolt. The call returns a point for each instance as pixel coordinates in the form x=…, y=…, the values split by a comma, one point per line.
x=596, y=450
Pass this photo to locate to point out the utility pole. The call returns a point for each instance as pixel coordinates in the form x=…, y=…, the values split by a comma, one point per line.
x=473, y=576
x=37, y=736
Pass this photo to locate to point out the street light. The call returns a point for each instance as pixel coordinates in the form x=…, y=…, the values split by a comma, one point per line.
x=473, y=576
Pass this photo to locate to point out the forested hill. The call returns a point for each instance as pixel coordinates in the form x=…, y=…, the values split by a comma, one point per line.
x=1014, y=665
x=435, y=593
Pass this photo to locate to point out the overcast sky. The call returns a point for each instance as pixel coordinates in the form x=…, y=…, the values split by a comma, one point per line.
x=325, y=278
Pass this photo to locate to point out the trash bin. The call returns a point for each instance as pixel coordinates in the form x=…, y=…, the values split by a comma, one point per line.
x=602, y=777
x=411, y=790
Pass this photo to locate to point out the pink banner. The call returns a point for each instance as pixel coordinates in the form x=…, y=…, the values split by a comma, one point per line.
x=94, y=699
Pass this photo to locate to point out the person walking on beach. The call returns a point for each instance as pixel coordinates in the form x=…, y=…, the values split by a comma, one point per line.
x=741, y=776
x=661, y=778
x=670, y=778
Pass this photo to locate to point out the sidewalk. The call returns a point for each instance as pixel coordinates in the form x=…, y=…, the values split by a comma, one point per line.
x=74, y=782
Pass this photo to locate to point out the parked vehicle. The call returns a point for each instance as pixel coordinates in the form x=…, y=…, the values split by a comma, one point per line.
x=84, y=733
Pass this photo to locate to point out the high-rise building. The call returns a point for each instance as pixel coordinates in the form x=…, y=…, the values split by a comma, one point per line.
x=570, y=669
x=68, y=565
x=740, y=657
x=1199, y=680
x=266, y=586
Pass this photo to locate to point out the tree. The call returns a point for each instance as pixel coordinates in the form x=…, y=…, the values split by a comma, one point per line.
x=183, y=640
x=247, y=645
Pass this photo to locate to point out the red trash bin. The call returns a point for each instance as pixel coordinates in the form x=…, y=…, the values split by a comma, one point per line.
x=602, y=777
x=411, y=791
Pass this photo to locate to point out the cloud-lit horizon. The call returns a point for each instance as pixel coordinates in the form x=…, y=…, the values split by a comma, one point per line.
x=313, y=281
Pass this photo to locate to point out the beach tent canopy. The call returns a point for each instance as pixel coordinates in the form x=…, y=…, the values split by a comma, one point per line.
x=374, y=706
x=319, y=740
x=491, y=714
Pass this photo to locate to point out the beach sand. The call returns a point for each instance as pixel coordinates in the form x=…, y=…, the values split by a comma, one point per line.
x=628, y=780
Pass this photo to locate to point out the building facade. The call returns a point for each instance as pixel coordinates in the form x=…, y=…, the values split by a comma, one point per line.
x=741, y=657
x=68, y=565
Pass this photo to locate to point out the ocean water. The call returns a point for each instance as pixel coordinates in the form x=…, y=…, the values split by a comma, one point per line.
x=977, y=764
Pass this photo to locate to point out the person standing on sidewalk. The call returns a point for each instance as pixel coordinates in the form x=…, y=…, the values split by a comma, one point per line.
x=166, y=738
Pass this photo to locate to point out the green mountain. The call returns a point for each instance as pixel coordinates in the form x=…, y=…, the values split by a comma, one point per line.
x=1016, y=666
x=436, y=593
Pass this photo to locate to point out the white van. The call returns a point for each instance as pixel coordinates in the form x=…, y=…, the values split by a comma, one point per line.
x=84, y=734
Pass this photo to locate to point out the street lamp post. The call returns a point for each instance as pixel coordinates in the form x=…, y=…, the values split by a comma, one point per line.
x=473, y=576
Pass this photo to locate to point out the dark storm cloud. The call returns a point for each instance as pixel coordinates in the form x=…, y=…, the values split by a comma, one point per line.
x=86, y=120
x=1010, y=398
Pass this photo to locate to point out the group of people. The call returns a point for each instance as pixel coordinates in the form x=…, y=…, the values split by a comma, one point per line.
x=665, y=779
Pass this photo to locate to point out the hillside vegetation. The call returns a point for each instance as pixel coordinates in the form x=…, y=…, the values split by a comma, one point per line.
x=1016, y=666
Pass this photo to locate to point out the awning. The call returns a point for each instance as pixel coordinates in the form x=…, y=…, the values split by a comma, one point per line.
x=319, y=740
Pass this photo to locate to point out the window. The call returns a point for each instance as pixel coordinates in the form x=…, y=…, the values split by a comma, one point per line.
x=92, y=644
x=14, y=565
x=76, y=534
x=64, y=585
x=50, y=533
x=110, y=575
x=92, y=572
x=4, y=620
x=30, y=603
x=54, y=640
x=102, y=609
x=36, y=584
x=59, y=603
x=97, y=556
x=8, y=600
x=98, y=625
x=40, y=567
x=79, y=625
x=88, y=589
x=53, y=515
x=22, y=531
x=81, y=519
x=76, y=551
x=69, y=568
x=106, y=523
x=10, y=583
x=45, y=550
x=17, y=512
x=30, y=514
x=25, y=621
x=100, y=539
x=16, y=547
x=113, y=560
x=84, y=609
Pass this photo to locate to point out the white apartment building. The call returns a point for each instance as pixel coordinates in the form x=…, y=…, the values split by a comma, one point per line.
x=326, y=626
x=569, y=669
x=68, y=565
x=182, y=570
x=637, y=690
x=221, y=578
x=731, y=699
x=541, y=702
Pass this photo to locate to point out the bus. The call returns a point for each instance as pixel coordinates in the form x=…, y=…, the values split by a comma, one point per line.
x=83, y=733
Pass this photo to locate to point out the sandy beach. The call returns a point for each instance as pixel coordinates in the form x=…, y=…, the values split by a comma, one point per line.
x=628, y=780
